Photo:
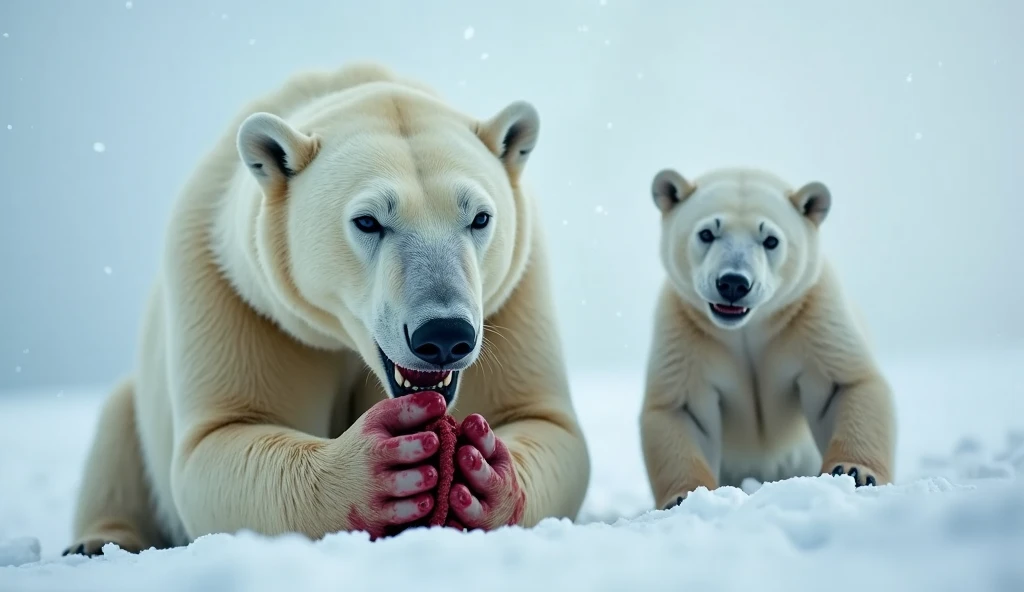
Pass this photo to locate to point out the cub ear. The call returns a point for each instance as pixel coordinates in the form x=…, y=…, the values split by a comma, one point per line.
x=273, y=150
x=511, y=135
x=813, y=200
x=670, y=188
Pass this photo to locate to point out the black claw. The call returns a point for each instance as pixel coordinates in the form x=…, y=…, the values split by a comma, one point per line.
x=870, y=480
x=854, y=473
x=837, y=471
x=671, y=505
x=79, y=550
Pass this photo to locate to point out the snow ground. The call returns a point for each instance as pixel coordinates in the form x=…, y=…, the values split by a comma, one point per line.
x=953, y=521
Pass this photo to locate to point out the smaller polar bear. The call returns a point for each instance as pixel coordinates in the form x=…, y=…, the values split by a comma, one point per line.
x=758, y=366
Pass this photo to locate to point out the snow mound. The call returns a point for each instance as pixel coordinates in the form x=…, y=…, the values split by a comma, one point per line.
x=17, y=551
x=800, y=534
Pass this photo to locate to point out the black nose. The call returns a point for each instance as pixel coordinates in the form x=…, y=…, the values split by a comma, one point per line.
x=733, y=286
x=443, y=341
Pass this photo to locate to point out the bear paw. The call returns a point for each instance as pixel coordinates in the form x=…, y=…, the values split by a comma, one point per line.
x=862, y=475
x=675, y=501
x=92, y=546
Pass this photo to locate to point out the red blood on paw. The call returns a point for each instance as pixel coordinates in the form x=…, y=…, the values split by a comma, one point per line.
x=447, y=430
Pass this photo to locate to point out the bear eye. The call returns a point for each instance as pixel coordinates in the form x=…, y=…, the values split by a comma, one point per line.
x=706, y=236
x=368, y=224
x=770, y=243
x=481, y=221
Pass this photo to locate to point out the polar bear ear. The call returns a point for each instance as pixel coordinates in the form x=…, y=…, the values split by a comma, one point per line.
x=512, y=135
x=273, y=150
x=670, y=188
x=813, y=200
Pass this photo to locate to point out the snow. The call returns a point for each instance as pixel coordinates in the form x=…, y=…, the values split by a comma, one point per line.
x=953, y=521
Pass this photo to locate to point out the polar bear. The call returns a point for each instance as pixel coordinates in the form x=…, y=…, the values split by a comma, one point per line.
x=758, y=367
x=332, y=272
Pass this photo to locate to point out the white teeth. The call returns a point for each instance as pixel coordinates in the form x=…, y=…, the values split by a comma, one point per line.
x=440, y=384
x=415, y=388
x=407, y=384
x=448, y=379
x=399, y=379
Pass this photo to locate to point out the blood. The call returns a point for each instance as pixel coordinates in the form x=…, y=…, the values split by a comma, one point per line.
x=356, y=522
x=447, y=430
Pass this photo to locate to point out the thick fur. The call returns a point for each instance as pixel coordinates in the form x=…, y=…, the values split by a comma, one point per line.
x=791, y=389
x=259, y=345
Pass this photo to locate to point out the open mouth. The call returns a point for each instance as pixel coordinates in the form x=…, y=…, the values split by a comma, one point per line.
x=728, y=311
x=406, y=381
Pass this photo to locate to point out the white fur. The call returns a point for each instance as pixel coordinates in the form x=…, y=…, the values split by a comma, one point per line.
x=259, y=354
x=752, y=396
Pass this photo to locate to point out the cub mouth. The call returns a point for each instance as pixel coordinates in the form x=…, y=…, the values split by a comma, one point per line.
x=728, y=311
x=406, y=381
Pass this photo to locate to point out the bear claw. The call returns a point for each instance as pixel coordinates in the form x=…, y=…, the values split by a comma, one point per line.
x=674, y=503
x=867, y=480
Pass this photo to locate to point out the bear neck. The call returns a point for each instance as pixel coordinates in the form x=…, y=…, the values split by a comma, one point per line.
x=238, y=252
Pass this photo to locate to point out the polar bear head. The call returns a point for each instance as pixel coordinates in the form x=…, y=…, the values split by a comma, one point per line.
x=393, y=224
x=739, y=243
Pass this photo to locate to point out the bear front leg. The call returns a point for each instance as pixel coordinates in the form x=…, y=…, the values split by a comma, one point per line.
x=682, y=450
x=855, y=427
x=272, y=480
x=114, y=499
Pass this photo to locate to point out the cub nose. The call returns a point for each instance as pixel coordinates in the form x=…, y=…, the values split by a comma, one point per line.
x=733, y=286
x=443, y=341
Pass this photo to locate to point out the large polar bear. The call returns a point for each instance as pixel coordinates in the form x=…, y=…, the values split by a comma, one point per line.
x=351, y=230
x=758, y=366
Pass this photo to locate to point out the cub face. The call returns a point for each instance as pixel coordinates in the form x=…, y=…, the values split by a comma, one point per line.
x=738, y=244
x=398, y=219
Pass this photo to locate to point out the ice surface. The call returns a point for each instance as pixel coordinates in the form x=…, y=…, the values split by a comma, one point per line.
x=953, y=521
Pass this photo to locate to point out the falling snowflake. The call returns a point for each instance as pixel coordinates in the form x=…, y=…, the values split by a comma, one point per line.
x=918, y=136
x=252, y=42
x=565, y=222
x=60, y=394
x=484, y=56
x=599, y=209
x=128, y=4
x=107, y=270
x=468, y=33
x=9, y=126
x=24, y=351
x=940, y=63
x=462, y=83
x=618, y=313
x=603, y=2
x=910, y=77
x=6, y=35
x=224, y=17
x=582, y=29
x=99, y=147
x=583, y=302
x=17, y=369
x=609, y=126
x=607, y=41
x=639, y=75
